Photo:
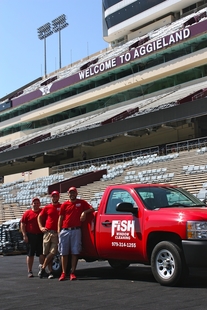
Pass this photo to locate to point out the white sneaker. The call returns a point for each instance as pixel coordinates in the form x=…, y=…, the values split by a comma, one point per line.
x=50, y=276
x=40, y=268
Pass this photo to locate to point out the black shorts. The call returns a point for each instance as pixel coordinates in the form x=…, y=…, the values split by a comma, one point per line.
x=34, y=245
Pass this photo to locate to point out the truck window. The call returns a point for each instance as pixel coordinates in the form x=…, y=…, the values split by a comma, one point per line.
x=164, y=197
x=149, y=199
x=116, y=196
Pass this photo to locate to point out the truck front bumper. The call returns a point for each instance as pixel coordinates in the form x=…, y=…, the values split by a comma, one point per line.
x=195, y=253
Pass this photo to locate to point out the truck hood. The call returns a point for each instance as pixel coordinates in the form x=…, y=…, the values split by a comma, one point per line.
x=185, y=213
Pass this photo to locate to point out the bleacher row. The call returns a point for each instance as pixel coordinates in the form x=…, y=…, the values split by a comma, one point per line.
x=194, y=169
x=169, y=171
x=164, y=170
x=145, y=176
x=21, y=192
x=148, y=176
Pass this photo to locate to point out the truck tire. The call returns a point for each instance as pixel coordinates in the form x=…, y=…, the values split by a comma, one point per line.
x=117, y=264
x=167, y=264
x=56, y=265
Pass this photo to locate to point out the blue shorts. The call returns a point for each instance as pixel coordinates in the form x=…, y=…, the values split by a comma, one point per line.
x=70, y=242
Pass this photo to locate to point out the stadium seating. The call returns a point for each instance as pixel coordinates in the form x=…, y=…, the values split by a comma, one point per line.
x=91, y=121
x=16, y=196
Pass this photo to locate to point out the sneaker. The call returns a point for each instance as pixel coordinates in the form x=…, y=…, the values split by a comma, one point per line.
x=30, y=274
x=62, y=277
x=50, y=276
x=42, y=273
x=40, y=268
x=72, y=277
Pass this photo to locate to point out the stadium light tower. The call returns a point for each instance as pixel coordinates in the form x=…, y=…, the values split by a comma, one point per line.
x=58, y=24
x=44, y=32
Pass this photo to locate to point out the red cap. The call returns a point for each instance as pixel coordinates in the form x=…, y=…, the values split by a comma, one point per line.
x=36, y=198
x=72, y=189
x=55, y=193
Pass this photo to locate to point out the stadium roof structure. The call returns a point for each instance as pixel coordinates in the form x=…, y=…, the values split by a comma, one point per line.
x=126, y=20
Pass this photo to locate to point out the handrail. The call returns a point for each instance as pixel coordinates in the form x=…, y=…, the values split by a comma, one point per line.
x=121, y=157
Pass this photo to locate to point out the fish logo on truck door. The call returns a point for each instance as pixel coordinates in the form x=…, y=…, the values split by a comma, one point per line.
x=124, y=229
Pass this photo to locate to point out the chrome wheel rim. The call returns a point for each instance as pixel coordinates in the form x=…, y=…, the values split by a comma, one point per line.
x=165, y=264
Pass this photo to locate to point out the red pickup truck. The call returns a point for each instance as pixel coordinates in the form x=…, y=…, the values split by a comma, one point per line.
x=153, y=224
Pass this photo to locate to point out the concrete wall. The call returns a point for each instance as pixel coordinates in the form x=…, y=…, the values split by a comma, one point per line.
x=27, y=175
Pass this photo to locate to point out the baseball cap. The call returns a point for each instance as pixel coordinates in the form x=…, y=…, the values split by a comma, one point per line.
x=55, y=193
x=36, y=198
x=72, y=189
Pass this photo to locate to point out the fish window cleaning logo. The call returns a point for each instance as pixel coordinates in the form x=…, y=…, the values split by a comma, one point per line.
x=123, y=229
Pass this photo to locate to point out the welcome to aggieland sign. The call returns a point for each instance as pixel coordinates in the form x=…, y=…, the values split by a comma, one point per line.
x=139, y=52
x=148, y=48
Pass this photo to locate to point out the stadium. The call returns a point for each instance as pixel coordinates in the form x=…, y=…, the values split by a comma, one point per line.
x=134, y=112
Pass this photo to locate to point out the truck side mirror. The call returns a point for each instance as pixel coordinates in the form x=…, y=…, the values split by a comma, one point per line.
x=126, y=207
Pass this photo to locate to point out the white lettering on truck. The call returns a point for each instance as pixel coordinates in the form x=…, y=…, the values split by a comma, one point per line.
x=123, y=229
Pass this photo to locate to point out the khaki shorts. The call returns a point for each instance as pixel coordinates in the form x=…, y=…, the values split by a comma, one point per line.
x=50, y=243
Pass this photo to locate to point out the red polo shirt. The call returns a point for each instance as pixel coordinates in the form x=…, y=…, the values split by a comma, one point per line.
x=29, y=218
x=71, y=212
x=50, y=215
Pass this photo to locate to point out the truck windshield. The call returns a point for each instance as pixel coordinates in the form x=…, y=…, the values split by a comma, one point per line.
x=167, y=197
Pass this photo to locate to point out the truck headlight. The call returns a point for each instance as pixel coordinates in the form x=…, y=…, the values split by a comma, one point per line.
x=196, y=230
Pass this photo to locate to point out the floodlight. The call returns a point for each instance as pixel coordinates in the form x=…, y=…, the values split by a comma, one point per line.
x=58, y=24
x=44, y=32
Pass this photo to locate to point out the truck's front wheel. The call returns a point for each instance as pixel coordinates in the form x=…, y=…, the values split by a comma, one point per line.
x=167, y=264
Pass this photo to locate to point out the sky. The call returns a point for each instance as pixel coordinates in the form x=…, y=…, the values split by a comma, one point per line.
x=22, y=52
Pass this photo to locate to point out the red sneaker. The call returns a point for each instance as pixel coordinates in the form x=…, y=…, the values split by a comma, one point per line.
x=72, y=277
x=62, y=277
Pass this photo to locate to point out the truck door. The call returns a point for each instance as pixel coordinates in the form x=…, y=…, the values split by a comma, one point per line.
x=119, y=234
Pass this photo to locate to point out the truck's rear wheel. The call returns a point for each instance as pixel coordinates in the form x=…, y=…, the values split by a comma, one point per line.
x=117, y=264
x=168, y=266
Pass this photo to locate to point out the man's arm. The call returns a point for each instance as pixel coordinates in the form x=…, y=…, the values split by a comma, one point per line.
x=83, y=214
x=60, y=222
x=24, y=233
x=40, y=223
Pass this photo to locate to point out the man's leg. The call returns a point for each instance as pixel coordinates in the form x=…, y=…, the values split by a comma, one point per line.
x=64, y=262
x=74, y=261
x=64, y=245
x=30, y=261
x=41, y=259
x=76, y=246
x=48, y=261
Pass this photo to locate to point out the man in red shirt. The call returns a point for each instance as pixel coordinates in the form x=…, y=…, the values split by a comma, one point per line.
x=32, y=235
x=72, y=214
x=48, y=220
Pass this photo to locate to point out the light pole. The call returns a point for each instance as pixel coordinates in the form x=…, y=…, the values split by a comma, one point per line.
x=58, y=24
x=44, y=32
